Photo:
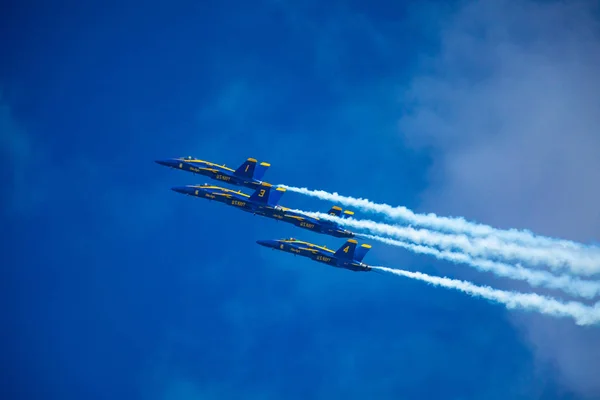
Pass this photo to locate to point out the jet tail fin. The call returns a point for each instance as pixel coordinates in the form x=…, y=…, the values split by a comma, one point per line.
x=260, y=169
x=275, y=196
x=351, y=251
x=361, y=251
x=265, y=194
x=251, y=170
x=247, y=169
x=337, y=212
x=347, y=214
x=346, y=252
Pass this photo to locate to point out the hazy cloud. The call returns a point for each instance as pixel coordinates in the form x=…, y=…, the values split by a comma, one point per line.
x=510, y=108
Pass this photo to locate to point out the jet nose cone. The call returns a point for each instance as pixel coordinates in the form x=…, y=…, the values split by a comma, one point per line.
x=167, y=163
x=266, y=243
x=181, y=189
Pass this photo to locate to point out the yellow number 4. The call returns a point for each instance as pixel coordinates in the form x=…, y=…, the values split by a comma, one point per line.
x=346, y=249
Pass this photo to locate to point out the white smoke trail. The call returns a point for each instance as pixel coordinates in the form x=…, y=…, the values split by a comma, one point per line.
x=450, y=224
x=582, y=314
x=476, y=247
x=572, y=286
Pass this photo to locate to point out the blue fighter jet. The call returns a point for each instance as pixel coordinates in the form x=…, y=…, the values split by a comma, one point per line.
x=249, y=174
x=349, y=256
x=264, y=202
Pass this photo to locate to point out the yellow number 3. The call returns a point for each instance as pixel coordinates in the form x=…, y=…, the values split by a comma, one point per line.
x=261, y=193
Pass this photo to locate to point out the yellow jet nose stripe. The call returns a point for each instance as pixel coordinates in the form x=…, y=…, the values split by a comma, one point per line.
x=308, y=249
x=208, y=163
x=312, y=246
x=295, y=217
x=219, y=190
x=207, y=169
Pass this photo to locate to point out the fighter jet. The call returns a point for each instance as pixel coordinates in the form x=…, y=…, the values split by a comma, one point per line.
x=264, y=202
x=249, y=174
x=349, y=256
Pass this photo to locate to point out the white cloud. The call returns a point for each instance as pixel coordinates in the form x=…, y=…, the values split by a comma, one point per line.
x=511, y=110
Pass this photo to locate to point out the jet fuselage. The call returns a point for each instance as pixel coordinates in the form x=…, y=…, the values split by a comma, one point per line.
x=244, y=176
x=317, y=253
x=265, y=208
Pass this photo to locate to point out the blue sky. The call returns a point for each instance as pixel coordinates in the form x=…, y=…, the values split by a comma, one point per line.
x=117, y=286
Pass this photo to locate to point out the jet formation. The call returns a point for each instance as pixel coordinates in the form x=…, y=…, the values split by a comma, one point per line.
x=264, y=202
